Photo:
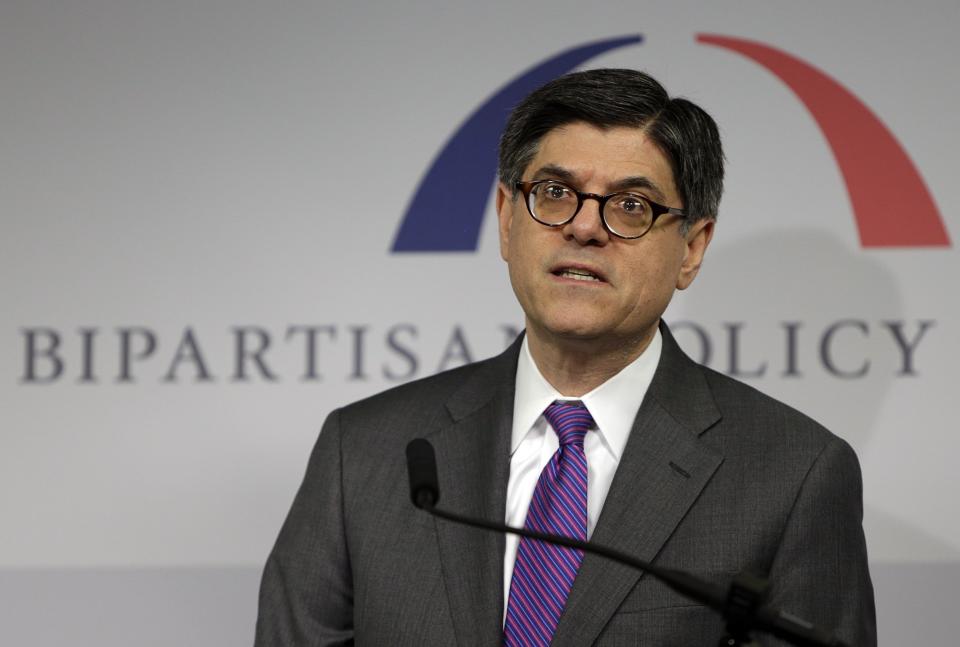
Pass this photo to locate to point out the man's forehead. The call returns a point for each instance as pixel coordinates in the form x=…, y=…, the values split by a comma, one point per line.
x=614, y=157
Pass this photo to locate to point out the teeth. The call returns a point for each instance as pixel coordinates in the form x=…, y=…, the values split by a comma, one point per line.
x=579, y=275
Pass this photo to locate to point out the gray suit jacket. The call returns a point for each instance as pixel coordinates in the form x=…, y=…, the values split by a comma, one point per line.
x=716, y=478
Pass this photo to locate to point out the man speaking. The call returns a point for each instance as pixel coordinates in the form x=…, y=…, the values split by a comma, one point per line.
x=593, y=425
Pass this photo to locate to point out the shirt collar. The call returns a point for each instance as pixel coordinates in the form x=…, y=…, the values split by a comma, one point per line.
x=613, y=404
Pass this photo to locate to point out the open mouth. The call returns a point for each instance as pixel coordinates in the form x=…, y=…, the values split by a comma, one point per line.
x=577, y=274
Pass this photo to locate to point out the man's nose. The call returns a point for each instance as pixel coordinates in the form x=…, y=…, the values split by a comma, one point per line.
x=587, y=226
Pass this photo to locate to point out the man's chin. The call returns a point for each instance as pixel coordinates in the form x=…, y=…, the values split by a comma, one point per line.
x=573, y=331
x=587, y=334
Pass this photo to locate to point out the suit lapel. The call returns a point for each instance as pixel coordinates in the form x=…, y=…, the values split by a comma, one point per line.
x=473, y=456
x=662, y=471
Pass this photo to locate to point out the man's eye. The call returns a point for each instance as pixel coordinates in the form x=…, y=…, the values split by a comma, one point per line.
x=555, y=191
x=632, y=204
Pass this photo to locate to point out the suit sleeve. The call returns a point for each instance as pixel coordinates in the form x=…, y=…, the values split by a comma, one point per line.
x=820, y=571
x=306, y=593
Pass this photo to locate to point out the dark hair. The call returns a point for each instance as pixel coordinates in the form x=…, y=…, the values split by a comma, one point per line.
x=686, y=135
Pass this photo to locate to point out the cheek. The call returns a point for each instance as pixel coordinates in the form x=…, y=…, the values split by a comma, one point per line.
x=521, y=273
x=654, y=282
x=525, y=252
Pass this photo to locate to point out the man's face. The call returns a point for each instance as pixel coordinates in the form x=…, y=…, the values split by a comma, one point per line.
x=635, y=278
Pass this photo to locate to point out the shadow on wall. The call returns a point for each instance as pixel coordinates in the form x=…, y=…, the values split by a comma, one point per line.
x=820, y=325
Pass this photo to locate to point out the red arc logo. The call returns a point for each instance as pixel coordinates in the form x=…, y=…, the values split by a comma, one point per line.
x=891, y=204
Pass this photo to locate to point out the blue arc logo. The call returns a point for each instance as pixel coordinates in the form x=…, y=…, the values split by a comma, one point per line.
x=882, y=182
x=447, y=209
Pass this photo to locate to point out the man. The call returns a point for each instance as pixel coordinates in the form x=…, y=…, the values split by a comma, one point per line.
x=594, y=424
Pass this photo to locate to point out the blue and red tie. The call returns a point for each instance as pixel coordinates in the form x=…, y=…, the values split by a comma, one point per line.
x=543, y=574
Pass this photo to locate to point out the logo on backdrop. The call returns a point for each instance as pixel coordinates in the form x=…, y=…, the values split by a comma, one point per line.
x=882, y=182
x=396, y=352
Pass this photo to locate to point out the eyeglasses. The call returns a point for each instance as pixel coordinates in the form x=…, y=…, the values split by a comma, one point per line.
x=625, y=215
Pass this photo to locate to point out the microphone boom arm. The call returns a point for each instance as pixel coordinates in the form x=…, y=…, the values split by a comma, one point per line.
x=740, y=605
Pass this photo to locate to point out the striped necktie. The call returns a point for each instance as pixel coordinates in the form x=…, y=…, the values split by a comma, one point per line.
x=543, y=573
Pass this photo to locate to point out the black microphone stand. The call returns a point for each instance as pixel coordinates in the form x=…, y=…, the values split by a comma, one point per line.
x=741, y=605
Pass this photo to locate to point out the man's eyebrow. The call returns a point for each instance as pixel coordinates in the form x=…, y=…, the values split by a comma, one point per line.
x=552, y=170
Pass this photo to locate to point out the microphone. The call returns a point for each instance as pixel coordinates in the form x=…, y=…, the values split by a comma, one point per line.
x=740, y=605
x=422, y=470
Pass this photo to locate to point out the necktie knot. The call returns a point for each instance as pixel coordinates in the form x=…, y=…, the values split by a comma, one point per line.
x=570, y=420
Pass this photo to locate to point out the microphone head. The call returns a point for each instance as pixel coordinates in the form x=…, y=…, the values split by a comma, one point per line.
x=422, y=470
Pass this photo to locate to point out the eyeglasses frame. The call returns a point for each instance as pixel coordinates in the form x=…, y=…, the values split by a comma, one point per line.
x=658, y=209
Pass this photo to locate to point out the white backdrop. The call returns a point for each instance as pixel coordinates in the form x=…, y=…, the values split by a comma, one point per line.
x=182, y=184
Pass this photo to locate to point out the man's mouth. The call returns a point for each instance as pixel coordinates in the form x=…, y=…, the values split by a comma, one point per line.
x=577, y=274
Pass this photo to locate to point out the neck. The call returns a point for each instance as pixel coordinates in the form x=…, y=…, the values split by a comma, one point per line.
x=576, y=366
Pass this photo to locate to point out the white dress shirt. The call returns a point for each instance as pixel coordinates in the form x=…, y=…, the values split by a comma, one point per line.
x=613, y=405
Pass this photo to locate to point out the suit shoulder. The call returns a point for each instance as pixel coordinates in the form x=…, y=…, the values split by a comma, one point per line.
x=433, y=388
x=372, y=434
x=779, y=447
x=764, y=418
x=421, y=404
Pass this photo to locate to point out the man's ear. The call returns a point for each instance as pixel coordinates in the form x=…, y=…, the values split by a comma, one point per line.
x=504, y=218
x=697, y=239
